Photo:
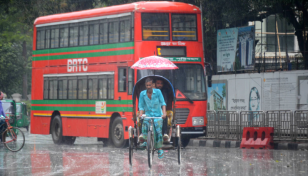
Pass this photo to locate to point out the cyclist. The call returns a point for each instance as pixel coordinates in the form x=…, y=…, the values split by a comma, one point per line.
x=152, y=103
x=2, y=114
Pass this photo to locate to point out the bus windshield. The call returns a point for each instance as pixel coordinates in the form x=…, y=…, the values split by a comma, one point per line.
x=189, y=79
x=7, y=107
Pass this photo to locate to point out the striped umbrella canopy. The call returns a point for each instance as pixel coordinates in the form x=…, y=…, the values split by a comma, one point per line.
x=154, y=63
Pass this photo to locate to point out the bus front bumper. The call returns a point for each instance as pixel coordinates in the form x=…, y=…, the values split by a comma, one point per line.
x=193, y=132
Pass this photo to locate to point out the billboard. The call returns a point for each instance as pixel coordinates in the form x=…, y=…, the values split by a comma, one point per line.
x=226, y=49
x=235, y=49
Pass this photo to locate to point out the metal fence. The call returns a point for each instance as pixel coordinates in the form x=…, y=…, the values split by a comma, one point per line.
x=288, y=125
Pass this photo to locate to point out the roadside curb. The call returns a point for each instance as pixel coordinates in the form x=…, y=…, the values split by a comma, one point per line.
x=236, y=144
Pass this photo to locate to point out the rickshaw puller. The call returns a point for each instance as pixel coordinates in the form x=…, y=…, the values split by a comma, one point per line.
x=152, y=103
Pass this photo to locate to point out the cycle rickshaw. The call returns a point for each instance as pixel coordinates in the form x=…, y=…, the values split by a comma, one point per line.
x=173, y=130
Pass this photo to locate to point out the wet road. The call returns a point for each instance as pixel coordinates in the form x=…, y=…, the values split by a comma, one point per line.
x=88, y=157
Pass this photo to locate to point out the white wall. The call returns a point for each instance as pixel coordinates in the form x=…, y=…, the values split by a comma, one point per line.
x=284, y=90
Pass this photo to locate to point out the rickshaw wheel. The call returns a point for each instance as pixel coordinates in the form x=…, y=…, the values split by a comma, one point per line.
x=131, y=150
x=150, y=146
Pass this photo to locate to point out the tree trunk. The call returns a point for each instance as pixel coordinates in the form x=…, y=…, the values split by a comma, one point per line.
x=25, y=75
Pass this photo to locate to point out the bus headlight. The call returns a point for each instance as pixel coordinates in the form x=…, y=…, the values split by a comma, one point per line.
x=197, y=121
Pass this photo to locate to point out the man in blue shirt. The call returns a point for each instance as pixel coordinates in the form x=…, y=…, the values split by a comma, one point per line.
x=152, y=103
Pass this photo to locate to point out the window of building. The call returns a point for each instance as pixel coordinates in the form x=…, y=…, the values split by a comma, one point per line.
x=286, y=42
x=155, y=26
x=184, y=27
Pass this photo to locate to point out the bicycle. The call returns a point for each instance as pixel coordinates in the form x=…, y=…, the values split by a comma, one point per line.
x=150, y=141
x=12, y=137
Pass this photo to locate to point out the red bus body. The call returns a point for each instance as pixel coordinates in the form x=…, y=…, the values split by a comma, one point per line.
x=79, y=117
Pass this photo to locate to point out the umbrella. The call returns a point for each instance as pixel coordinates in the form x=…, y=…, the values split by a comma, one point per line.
x=154, y=63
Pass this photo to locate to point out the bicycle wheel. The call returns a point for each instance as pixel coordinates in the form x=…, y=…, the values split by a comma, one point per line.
x=131, y=150
x=13, y=139
x=150, y=147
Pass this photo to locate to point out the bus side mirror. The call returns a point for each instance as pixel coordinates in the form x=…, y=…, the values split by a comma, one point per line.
x=209, y=80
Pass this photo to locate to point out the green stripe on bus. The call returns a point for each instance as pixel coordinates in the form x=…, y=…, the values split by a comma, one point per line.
x=84, y=48
x=108, y=102
x=87, y=55
x=108, y=109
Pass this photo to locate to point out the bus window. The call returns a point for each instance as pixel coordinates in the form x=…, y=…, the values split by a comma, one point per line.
x=82, y=88
x=40, y=38
x=184, y=27
x=125, y=30
x=103, y=32
x=54, y=37
x=94, y=32
x=47, y=39
x=53, y=88
x=110, y=88
x=102, y=88
x=155, y=26
x=113, y=32
x=73, y=35
x=72, y=88
x=130, y=80
x=45, y=88
x=122, y=80
x=64, y=36
x=83, y=34
x=62, y=89
x=189, y=79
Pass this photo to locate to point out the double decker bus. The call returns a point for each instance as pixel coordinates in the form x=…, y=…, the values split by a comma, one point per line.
x=82, y=82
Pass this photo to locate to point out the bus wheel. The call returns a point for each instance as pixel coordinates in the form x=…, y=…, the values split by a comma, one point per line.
x=56, y=130
x=117, y=133
x=185, y=141
x=69, y=140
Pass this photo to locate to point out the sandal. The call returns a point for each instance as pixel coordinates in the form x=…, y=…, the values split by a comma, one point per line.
x=160, y=154
x=143, y=144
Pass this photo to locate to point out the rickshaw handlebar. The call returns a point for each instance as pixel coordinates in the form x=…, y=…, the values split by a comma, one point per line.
x=145, y=117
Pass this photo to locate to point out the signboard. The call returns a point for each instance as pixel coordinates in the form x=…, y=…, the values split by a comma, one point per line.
x=226, y=49
x=100, y=107
x=235, y=49
x=245, y=56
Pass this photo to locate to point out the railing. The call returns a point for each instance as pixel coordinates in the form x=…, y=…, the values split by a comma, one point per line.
x=288, y=125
